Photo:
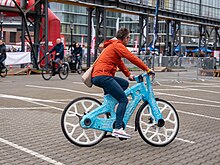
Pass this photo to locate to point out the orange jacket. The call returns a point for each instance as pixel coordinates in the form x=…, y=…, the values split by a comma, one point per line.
x=110, y=59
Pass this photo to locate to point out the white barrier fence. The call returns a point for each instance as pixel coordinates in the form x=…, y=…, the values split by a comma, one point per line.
x=16, y=58
x=181, y=68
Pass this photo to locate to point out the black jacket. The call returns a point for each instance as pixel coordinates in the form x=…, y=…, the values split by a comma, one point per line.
x=59, y=48
x=77, y=51
x=2, y=48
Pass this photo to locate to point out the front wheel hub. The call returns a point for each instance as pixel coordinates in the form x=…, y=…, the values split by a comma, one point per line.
x=161, y=123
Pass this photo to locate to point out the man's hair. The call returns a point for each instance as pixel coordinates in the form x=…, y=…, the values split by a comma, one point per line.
x=122, y=33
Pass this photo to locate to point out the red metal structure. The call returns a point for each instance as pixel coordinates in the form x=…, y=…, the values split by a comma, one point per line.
x=53, y=22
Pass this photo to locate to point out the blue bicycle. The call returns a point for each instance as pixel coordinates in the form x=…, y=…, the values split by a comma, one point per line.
x=85, y=121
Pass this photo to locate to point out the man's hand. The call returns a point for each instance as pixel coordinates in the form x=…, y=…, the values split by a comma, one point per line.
x=131, y=78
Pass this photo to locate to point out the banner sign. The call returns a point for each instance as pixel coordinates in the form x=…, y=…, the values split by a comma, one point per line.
x=14, y=58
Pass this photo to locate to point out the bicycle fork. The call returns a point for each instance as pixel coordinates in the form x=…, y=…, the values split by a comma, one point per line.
x=156, y=112
x=149, y=97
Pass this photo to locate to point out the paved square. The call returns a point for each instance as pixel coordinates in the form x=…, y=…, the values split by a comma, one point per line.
x=30, y=126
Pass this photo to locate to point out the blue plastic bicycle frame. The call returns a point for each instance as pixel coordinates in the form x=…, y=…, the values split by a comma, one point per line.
x=138, y=92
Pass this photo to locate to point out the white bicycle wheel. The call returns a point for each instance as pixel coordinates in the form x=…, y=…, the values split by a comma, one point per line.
x=150, y=132
x=70, y=122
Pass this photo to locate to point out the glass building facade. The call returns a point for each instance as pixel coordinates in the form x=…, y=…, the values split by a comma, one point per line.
x=206, y=8
x=190, y=32
x=77, y=15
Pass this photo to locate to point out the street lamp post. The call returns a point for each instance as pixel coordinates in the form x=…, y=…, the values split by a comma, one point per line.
x=159, y=39
x=1, y=37
x=71, y=35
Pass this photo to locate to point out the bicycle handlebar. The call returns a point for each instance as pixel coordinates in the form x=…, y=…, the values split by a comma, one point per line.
x=140, y=78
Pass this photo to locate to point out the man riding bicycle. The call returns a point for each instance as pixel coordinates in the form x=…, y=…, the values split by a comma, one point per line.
x=77, y=53
x=2, y=55
x=59, y=49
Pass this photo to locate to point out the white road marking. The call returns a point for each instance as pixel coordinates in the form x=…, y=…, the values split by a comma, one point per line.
x=27, y=98
x=196, y=114
x=171, y=89
x=62, y=100
x=40, y=156
x=180, y=139
x=32, y=100
x=25, y=108
x=187, y=141
x=189, y=89
x=81, y=83
x=186, y=97
x=195, y=104
x=64, y=89
x=207, y=84
x=45, y=105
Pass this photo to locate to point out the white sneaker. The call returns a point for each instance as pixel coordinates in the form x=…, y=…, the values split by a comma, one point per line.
x=120, y=133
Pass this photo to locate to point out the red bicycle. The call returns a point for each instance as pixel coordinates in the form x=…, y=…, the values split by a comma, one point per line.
x=52, y=68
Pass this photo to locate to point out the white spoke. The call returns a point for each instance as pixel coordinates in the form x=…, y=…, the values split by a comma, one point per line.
x=155, y=133
x=73, y=129
x=89, y=108
x=75, y=107
x=146, y=114
x=169, y=130
x=168, y=116
x=158, y=137
x=146, y=130
x=85, y=135
x=144, y=123
x=95, y=135
x=170, y=121
x=165, y=106
x=70, y=124
x=85, y=108
x=165, y=133
x=81, y=135
x=73, y=114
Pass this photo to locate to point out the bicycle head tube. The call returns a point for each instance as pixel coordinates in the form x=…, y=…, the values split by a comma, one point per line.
x=139, y=78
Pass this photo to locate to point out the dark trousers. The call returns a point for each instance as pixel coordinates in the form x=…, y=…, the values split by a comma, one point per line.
x=2, y=59
x=114, y=86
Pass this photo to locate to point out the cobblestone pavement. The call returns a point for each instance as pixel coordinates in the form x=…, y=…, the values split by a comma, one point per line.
x=30, y=129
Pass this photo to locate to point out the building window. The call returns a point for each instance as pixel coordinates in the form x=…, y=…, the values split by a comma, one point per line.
x=12, y=37
x=162, y=4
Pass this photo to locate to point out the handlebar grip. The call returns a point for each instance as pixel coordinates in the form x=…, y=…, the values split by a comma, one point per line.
x=140, y=78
